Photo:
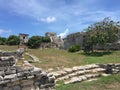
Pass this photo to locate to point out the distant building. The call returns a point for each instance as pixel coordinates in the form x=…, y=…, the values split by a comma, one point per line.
x=74, y=39
x=23, y=38
x=55, y=39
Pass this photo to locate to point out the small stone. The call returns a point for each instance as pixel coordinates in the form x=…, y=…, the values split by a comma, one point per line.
x=50, y=69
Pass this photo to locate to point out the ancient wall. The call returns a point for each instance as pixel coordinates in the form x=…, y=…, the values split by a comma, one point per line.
x=77, y=39
x=108, y=46
x=14, y=77
x=18, y=54
x=73, y=39
x=55, y=39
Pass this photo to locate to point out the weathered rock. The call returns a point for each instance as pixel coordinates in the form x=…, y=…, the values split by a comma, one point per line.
x=68, y=70
x=9, y=77
x=18, y=78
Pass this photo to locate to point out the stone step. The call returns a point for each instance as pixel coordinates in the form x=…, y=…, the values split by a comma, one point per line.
x=60, y=74
x=87, y=72
x=66, y=71
x=78, y=73
x=82, y=78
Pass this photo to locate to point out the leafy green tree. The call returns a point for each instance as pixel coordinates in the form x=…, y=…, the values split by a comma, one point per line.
x=101, y=33
x=34, y=42
x=13, y=40
x=45, y=39
x=3, y=40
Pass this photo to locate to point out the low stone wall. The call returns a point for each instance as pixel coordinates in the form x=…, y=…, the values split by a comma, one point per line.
x=73, y=39
x=16, y=78
x=111, y=68
x=23, y=78
x=18, y=54
x=108, y=46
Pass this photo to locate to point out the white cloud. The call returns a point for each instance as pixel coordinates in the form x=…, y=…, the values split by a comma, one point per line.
x=49, y=19
x=3, y=31
x=64, y=33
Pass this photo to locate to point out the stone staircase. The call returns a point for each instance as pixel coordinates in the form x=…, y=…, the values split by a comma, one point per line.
x=84, y=73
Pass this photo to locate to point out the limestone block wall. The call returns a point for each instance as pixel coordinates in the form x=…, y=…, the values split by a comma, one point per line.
x=23, y=78
x=17, y=54
x=110, y=46
x=16, y=78
x=111, y=68
x=77, y=39
x=73, y=39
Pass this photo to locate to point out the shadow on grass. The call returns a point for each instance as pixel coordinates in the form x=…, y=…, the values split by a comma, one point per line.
x=98, y=54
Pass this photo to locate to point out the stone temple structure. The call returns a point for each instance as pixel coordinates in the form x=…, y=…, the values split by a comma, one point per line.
x=23, y=38
x=55, y=39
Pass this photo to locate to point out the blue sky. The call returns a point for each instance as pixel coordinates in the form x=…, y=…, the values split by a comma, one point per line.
x=36, y=17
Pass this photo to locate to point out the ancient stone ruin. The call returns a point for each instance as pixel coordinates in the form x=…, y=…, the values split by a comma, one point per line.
x=23, y=38
x=85, y=73
x=78, y=38
x=13, y=77
x=56, y=40
x=18, y=54
x=73, y=39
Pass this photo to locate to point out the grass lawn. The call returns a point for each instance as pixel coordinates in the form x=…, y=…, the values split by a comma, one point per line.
x=52, y=58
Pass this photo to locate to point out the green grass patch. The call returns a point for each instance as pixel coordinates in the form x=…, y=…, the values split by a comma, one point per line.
x=104, y=83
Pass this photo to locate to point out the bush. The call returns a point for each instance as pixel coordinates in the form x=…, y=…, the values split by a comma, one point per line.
x=74, y=48
x=13, y=40
x=3, y=41
x=34, y=42
x=46, y=39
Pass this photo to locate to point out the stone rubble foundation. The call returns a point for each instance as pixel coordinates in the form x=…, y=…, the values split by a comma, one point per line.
x=14, y=77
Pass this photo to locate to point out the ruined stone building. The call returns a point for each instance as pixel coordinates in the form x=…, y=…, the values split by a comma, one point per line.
x=57, y=40
x=73, y=39
x=23, y=38
x=78, y=38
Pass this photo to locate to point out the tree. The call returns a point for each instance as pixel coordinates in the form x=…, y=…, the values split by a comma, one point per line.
x=13, y=40
x=45, y=39
x=34, y=42
x=100, y=33
x=3, y=40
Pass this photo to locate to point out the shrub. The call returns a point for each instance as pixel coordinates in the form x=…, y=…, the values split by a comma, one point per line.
x=13, y=40
x=34, y=42
x=74, y=48
x=3, y=41
x=45, y=39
